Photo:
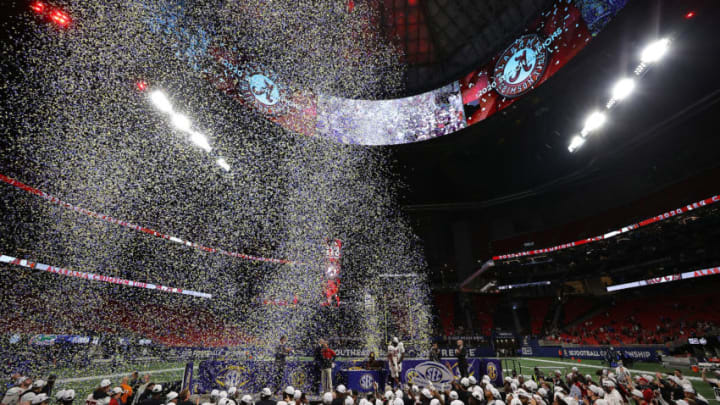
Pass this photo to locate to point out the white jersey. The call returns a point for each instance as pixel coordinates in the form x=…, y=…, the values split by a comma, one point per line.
x=614, y=398
x=27, y=397
x=394, y=353
x=12, y=396
x=622, y=374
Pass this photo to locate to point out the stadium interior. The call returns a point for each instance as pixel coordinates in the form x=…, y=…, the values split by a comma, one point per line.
x=245, y=202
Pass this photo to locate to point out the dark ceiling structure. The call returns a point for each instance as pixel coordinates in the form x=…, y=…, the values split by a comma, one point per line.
x=441, y=40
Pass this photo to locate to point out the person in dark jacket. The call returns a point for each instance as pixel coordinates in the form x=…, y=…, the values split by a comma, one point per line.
x=156, y=396
x=461, y=354
x=435, y=353
x=266, y=397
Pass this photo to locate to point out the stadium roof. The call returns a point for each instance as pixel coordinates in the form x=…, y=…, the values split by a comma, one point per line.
x=444, y=39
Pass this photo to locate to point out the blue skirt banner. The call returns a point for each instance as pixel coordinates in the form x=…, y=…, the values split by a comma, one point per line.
x=637, y=353
x=426, y=373
x=250, y=376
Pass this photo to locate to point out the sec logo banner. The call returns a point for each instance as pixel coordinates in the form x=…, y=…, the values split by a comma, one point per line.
x=430, y=374
x=367, y=381
x=521, y=66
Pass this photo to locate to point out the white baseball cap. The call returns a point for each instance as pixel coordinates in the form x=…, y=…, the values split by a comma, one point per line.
x=389, y=395
x=281, y=403
x=454, y=395
x=434, y=401
x=472, y=380
x=426, y=392
x=232, y=390
x=266, y=392
x=349, y=400
x=105, y=383
x=247, y=399
x=117, y=390
x=40, y=398
x=398, y=393
x=290, y=390
x=223, y=394
x=214, y=393
x=157, y=388
x=464, y=381
x=171, y=395
x=327, y=398
x=297, y=394
x=41, y=383
x=341, y=389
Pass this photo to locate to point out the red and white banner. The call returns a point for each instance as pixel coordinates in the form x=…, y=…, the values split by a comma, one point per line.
x=139, y=228
x=666, y=279
x=612, y=234
x=97, y=277
x=332, y=271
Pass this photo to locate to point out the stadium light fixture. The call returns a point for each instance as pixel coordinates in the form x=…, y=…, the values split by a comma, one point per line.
x=224, y=164
x=200, y=140
x=655, y=51
x=623, y=88
x=161, y=101
x=60, y=18
x=593, y=122
x=181, y=122
x=38, y=7
x=576, y=143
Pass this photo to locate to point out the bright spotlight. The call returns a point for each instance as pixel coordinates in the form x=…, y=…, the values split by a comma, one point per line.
x=655, y=51
x=161, y=101
x=200, y=140
x=623, y=88
x=224, y=164
x=576, y=143
x=593, y=122
x=181, y=122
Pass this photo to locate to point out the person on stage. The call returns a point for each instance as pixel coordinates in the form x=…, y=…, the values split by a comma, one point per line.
x=371, y=363
x=461, y=354
x=435, y=353
x=281, y=353
x=395, y=355
x=328, y=356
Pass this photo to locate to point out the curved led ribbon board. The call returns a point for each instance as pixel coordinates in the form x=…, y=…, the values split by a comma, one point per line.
x=98, y=277
x=127, y=224
x=665, y=215
x=547, y=44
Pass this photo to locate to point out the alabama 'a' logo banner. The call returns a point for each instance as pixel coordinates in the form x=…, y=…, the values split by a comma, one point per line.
x=521, y=66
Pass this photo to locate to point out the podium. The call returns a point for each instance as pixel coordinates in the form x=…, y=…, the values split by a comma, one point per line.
x=363, y=380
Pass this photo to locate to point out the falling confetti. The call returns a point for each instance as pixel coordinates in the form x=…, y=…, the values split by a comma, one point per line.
x=79, y=125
